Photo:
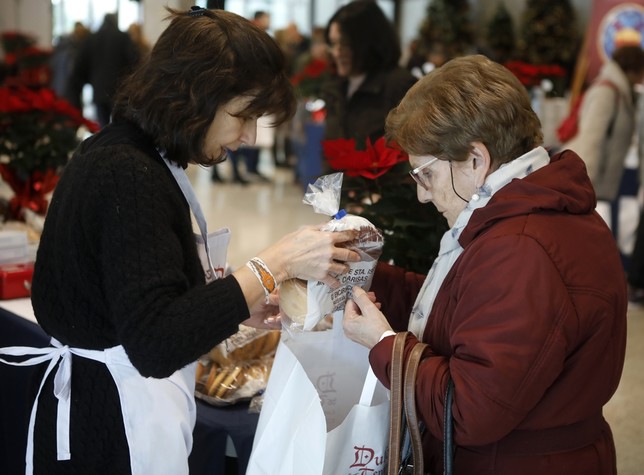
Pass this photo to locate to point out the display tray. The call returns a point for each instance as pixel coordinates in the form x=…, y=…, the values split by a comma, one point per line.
x=237, y=369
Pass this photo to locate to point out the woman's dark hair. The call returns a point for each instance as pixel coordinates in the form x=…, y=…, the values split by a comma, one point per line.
x=199, y=63
x=369, y=34
x=630, y=58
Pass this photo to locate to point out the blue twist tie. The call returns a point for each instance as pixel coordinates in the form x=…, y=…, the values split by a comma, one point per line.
x=340, y=214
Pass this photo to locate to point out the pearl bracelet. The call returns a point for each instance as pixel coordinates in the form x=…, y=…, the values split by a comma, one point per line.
x=263, y=274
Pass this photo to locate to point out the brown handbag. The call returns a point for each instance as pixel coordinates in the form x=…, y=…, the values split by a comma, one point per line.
x=404, y=425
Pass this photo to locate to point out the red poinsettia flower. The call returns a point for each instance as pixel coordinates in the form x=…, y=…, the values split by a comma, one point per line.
x=313, y=70
x=370, y=163
x=30, y=193
x=39, y=133
x=308, y=82
x=20, y=99
x=532, y=74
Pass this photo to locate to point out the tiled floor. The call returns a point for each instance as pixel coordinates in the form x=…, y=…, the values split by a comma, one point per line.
x=260, y=213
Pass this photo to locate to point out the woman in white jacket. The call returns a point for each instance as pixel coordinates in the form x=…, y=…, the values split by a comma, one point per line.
x=607, y=120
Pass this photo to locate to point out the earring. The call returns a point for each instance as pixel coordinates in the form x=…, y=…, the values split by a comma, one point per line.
x=476, y=196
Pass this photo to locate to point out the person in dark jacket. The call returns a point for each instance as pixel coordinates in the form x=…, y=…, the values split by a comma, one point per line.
x=128, y=295
x=369, y=82
x=525, y=317
x=105, y=57
x=63, y=59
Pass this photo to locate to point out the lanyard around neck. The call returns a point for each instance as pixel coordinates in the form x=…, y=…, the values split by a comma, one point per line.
x=189, y=193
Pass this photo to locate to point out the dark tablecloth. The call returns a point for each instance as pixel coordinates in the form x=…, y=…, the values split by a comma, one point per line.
x=15, y=384
x=213, y=425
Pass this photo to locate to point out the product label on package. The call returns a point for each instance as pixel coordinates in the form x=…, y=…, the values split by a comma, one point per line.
x=324, y=301
x=360, y=273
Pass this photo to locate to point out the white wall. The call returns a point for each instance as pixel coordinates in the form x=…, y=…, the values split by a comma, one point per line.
x=28, y=16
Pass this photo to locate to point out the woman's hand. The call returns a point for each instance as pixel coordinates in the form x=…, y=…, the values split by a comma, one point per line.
x=265, y=315
x=311, y=254
x=363, y=321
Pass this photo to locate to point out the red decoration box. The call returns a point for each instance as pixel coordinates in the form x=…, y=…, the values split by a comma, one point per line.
x=15, y=280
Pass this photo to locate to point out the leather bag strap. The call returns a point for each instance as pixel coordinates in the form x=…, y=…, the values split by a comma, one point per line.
x=403, y=415
x=411, y=416
x=395, y=413
x=448, y=430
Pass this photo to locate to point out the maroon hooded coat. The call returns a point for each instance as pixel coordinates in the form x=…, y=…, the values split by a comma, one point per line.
x=530, y=323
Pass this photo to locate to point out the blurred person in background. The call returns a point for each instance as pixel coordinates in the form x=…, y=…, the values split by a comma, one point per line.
x=607, y=119
x=135, y=30
x=369, y=82
x=63, y=59
x=104, y=59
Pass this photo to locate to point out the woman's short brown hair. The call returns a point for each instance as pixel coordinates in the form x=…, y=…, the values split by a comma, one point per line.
x=199, y=63
x=469, y=99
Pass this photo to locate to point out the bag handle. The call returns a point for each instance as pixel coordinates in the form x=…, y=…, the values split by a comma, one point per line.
x=448, y=430
x=409, y=393
x=395, y=413
x=369, y=388
x=403, y=403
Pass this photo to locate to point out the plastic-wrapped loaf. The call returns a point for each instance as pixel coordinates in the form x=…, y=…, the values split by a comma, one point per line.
x=305, y=304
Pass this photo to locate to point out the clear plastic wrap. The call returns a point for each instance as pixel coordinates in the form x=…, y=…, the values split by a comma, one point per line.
x=238, y=368
x=310, y=305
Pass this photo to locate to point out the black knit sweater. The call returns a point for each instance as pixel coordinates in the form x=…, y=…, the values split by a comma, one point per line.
x=118, y=265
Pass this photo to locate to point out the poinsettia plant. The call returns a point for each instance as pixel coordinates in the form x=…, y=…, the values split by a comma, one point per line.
x=38, y=130
x=377, y=186
x=38, y=133
x=374, y=161
x=26, y=63
x=308, y=82
x=533, y=74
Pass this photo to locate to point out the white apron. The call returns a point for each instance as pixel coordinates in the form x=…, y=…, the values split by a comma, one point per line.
x=159, y=414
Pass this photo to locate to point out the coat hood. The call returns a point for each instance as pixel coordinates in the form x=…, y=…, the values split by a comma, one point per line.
x=562, y=186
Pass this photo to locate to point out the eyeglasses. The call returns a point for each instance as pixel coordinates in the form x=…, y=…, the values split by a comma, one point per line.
x=423, y=178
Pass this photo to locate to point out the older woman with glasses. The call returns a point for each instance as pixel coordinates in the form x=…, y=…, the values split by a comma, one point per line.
x=525, y=307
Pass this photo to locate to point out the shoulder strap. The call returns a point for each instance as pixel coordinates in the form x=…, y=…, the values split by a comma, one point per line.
x=448, y=430
x=403, y=414
x=396, y=409
x=613, y=86
x=410, y=407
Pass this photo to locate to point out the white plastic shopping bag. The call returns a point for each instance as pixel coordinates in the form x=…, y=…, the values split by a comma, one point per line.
x=324, y=412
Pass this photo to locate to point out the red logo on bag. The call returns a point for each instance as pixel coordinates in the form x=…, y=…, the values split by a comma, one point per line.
x=367, y=462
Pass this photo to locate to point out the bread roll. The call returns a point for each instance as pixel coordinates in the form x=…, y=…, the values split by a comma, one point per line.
x=216, y=383
x=200, y=371
x=227, y=384
x=293, y=300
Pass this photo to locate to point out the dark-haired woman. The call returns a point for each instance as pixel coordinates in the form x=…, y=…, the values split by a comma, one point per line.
x=129, y=298
x=369, y=82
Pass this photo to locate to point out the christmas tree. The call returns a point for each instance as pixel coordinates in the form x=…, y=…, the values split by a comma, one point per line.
x=500, y=35
x=447, y=27
x=549, y=34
